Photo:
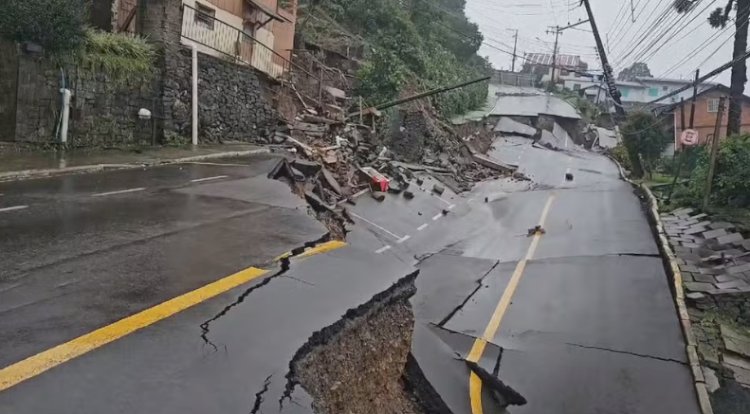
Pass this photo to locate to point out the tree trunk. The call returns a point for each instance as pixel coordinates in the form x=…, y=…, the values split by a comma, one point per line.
x=739, y=70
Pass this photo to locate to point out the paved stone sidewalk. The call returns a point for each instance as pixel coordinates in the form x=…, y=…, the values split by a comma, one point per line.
x=714, y=261
x=15, y=165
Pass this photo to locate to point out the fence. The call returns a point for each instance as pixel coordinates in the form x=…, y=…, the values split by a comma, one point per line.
x=512, y=78
x=222, y=38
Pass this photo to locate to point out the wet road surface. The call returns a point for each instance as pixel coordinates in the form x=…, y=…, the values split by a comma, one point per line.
x=590, y=328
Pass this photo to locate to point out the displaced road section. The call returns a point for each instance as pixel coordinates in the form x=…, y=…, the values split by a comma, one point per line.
x=575, y=316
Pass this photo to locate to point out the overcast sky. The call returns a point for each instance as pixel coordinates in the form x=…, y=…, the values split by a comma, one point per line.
x=690, y=41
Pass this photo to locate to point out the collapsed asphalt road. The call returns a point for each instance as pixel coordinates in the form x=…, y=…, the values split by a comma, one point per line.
x=577, y=320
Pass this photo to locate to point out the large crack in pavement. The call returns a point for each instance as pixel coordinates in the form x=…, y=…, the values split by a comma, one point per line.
x=284, y=263
x=362, y=363
x=259, y=395
x=480, y=283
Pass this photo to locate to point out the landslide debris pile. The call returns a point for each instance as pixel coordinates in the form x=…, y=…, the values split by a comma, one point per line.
x=342, y=145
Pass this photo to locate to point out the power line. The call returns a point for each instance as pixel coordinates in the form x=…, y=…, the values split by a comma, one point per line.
x=711, y=74
x=644, y=25
x=648, y=52
x=648, y=29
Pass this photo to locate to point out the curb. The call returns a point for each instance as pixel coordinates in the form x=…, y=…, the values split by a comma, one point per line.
x=85, y=169
x=673, y=270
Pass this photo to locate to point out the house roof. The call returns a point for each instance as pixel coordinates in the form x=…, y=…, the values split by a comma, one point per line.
x=646, y=79
x=715, y=88
x=569, y=61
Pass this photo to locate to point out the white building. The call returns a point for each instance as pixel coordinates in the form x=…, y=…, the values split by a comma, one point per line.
x=640, y=91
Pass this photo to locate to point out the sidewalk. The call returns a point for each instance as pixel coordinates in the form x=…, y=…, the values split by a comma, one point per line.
x=16, y=166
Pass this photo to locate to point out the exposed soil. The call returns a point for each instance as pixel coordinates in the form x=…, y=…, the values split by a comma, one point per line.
x=358, y=365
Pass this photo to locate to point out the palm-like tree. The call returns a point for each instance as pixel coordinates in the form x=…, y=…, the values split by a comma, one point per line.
x=719, y=19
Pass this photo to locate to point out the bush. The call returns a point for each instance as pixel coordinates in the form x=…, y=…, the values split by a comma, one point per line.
x=642, y=135
x=731, y=186
x=620, y=153
x=124, y=59
x=56, y=25
x=424, y=44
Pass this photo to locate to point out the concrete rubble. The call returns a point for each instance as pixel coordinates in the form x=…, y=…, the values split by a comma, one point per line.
x=714, y=260
x=333, y=157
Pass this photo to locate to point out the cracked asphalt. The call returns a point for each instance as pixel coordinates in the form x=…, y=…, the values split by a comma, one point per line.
x=590, y=328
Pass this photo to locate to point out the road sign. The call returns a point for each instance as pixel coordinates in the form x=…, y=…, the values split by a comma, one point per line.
x=689, y=138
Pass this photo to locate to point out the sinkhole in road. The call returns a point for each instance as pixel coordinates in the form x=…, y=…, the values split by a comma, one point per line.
x=363, y=364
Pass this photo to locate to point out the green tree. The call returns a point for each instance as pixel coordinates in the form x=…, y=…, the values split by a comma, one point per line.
x=731, y=186
x=636, y=70
x=644, y=139
x=719, y=19
x=56, y=25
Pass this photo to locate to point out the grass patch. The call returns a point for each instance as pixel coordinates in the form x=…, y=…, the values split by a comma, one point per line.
x=124, y=59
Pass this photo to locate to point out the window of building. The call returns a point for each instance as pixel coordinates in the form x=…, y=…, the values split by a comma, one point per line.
x=204, y=16
x=653, y=92
x=713, y=105
x=576, y=86
x=624, y=92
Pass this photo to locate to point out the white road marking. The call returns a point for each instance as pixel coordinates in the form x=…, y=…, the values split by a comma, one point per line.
x=14, y=208
x=451, y=207
x=200, y=180
x=394, y=235
x=403, y=239
x=437, y=216
x=129, y=190
x=383, y=249
x=444, y=201
x=422, y=227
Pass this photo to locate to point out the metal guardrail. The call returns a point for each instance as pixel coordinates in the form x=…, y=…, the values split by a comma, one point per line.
x=231, y=41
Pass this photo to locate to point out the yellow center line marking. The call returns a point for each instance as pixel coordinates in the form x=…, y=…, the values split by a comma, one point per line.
x=37, y=364
x=477, y=349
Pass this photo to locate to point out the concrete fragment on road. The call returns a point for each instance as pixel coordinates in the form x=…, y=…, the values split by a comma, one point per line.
x=508, y=126
x=493, y=163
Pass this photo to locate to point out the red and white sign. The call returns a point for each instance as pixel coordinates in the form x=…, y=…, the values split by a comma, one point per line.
x=689, y=138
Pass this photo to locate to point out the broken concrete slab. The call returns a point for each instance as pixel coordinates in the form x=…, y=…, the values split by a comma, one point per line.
x=699, y=286
x=724, y=278
x=330, y=180
x=493, y=164
x=508, y=126
x=712, y=381
x=712, y=234
x=735, y=341
x=737, y=283
x=730, y=238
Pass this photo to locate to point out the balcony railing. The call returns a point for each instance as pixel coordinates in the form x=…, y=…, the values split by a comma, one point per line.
x=232, y=42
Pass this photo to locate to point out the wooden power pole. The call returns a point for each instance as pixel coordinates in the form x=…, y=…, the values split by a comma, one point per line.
x=515, y=47
x=714, y=152
x=614, y=93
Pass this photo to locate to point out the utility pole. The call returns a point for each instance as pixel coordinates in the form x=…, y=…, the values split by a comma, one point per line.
x=714, y=152
x=695, y=96
x=620, y=111
x=515, y=46
x=557, y=30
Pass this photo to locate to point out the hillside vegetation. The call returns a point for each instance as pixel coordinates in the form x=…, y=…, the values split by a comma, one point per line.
x=407, y=46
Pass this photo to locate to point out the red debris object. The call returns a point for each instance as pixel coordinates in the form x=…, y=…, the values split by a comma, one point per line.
x=379, y=181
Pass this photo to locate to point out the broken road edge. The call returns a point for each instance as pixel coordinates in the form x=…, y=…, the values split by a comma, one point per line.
x=678, y=294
